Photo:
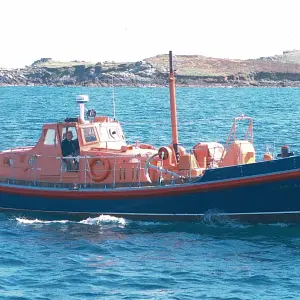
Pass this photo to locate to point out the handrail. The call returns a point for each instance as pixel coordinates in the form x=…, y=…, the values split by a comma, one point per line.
x=215, y=160
x=232, y=132
x=160, y=169
x=34, y=167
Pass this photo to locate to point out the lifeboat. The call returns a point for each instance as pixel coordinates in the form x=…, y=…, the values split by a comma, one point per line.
x=83, y=166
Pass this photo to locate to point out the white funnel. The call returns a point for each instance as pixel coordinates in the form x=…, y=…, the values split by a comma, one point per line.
x=81, y=100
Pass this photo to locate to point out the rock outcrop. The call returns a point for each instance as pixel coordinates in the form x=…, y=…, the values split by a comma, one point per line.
x=192, y=70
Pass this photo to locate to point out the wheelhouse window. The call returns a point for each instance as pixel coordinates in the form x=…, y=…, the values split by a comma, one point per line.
x=72, y=129
x=111, y=133
x=89, y=135
x=50, y=137
x=103, y=133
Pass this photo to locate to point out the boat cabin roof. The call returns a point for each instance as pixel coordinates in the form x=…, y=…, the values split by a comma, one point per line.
x=102, y=132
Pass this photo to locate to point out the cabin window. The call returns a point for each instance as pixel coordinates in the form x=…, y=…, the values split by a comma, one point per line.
x=65, y=129
x=111, y=133
x=103, y=133
x=89, y=134
x=50, y=137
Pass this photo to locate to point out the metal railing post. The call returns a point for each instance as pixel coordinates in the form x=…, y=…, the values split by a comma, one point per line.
x=85, y=170
x=61, y=170
x=114, y=171
x=34, y=171
x=13, y=170
x=140, y=170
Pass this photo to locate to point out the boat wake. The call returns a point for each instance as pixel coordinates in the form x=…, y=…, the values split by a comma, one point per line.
x=37, y=221
x=101, y=220
x=104, y=219
x=213, y=225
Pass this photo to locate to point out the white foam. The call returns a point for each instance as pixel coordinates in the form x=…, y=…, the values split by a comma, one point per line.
x=279, y=224
x=37, y=221
x=152, y=223
x=104, y=219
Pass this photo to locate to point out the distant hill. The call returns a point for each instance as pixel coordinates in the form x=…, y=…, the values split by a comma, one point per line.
x=192, y=70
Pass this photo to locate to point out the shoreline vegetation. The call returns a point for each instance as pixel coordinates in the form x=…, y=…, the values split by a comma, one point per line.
x=191, y=71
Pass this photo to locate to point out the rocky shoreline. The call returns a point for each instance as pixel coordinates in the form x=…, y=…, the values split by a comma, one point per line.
x=192, y=71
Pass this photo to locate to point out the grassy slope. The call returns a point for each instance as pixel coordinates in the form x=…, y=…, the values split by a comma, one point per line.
x=195, y=65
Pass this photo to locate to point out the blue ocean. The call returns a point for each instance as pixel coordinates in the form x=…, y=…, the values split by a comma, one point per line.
x=114, y=258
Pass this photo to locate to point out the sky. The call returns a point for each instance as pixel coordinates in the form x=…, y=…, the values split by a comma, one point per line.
x=131, y=30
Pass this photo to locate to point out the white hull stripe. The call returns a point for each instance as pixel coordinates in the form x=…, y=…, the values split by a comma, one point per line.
x=151, y=214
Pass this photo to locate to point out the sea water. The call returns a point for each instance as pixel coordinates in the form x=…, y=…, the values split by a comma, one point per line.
x=114, y=258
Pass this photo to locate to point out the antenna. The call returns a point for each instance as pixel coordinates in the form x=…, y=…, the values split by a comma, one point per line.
x=113, y=96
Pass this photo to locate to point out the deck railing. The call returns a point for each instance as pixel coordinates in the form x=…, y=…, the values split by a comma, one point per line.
x=36, y=174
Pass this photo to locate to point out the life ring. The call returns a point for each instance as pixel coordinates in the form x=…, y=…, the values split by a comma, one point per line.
x=164, y=153
x=105, y=168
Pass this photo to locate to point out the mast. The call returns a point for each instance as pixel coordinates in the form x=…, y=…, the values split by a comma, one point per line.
x=173, y=107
